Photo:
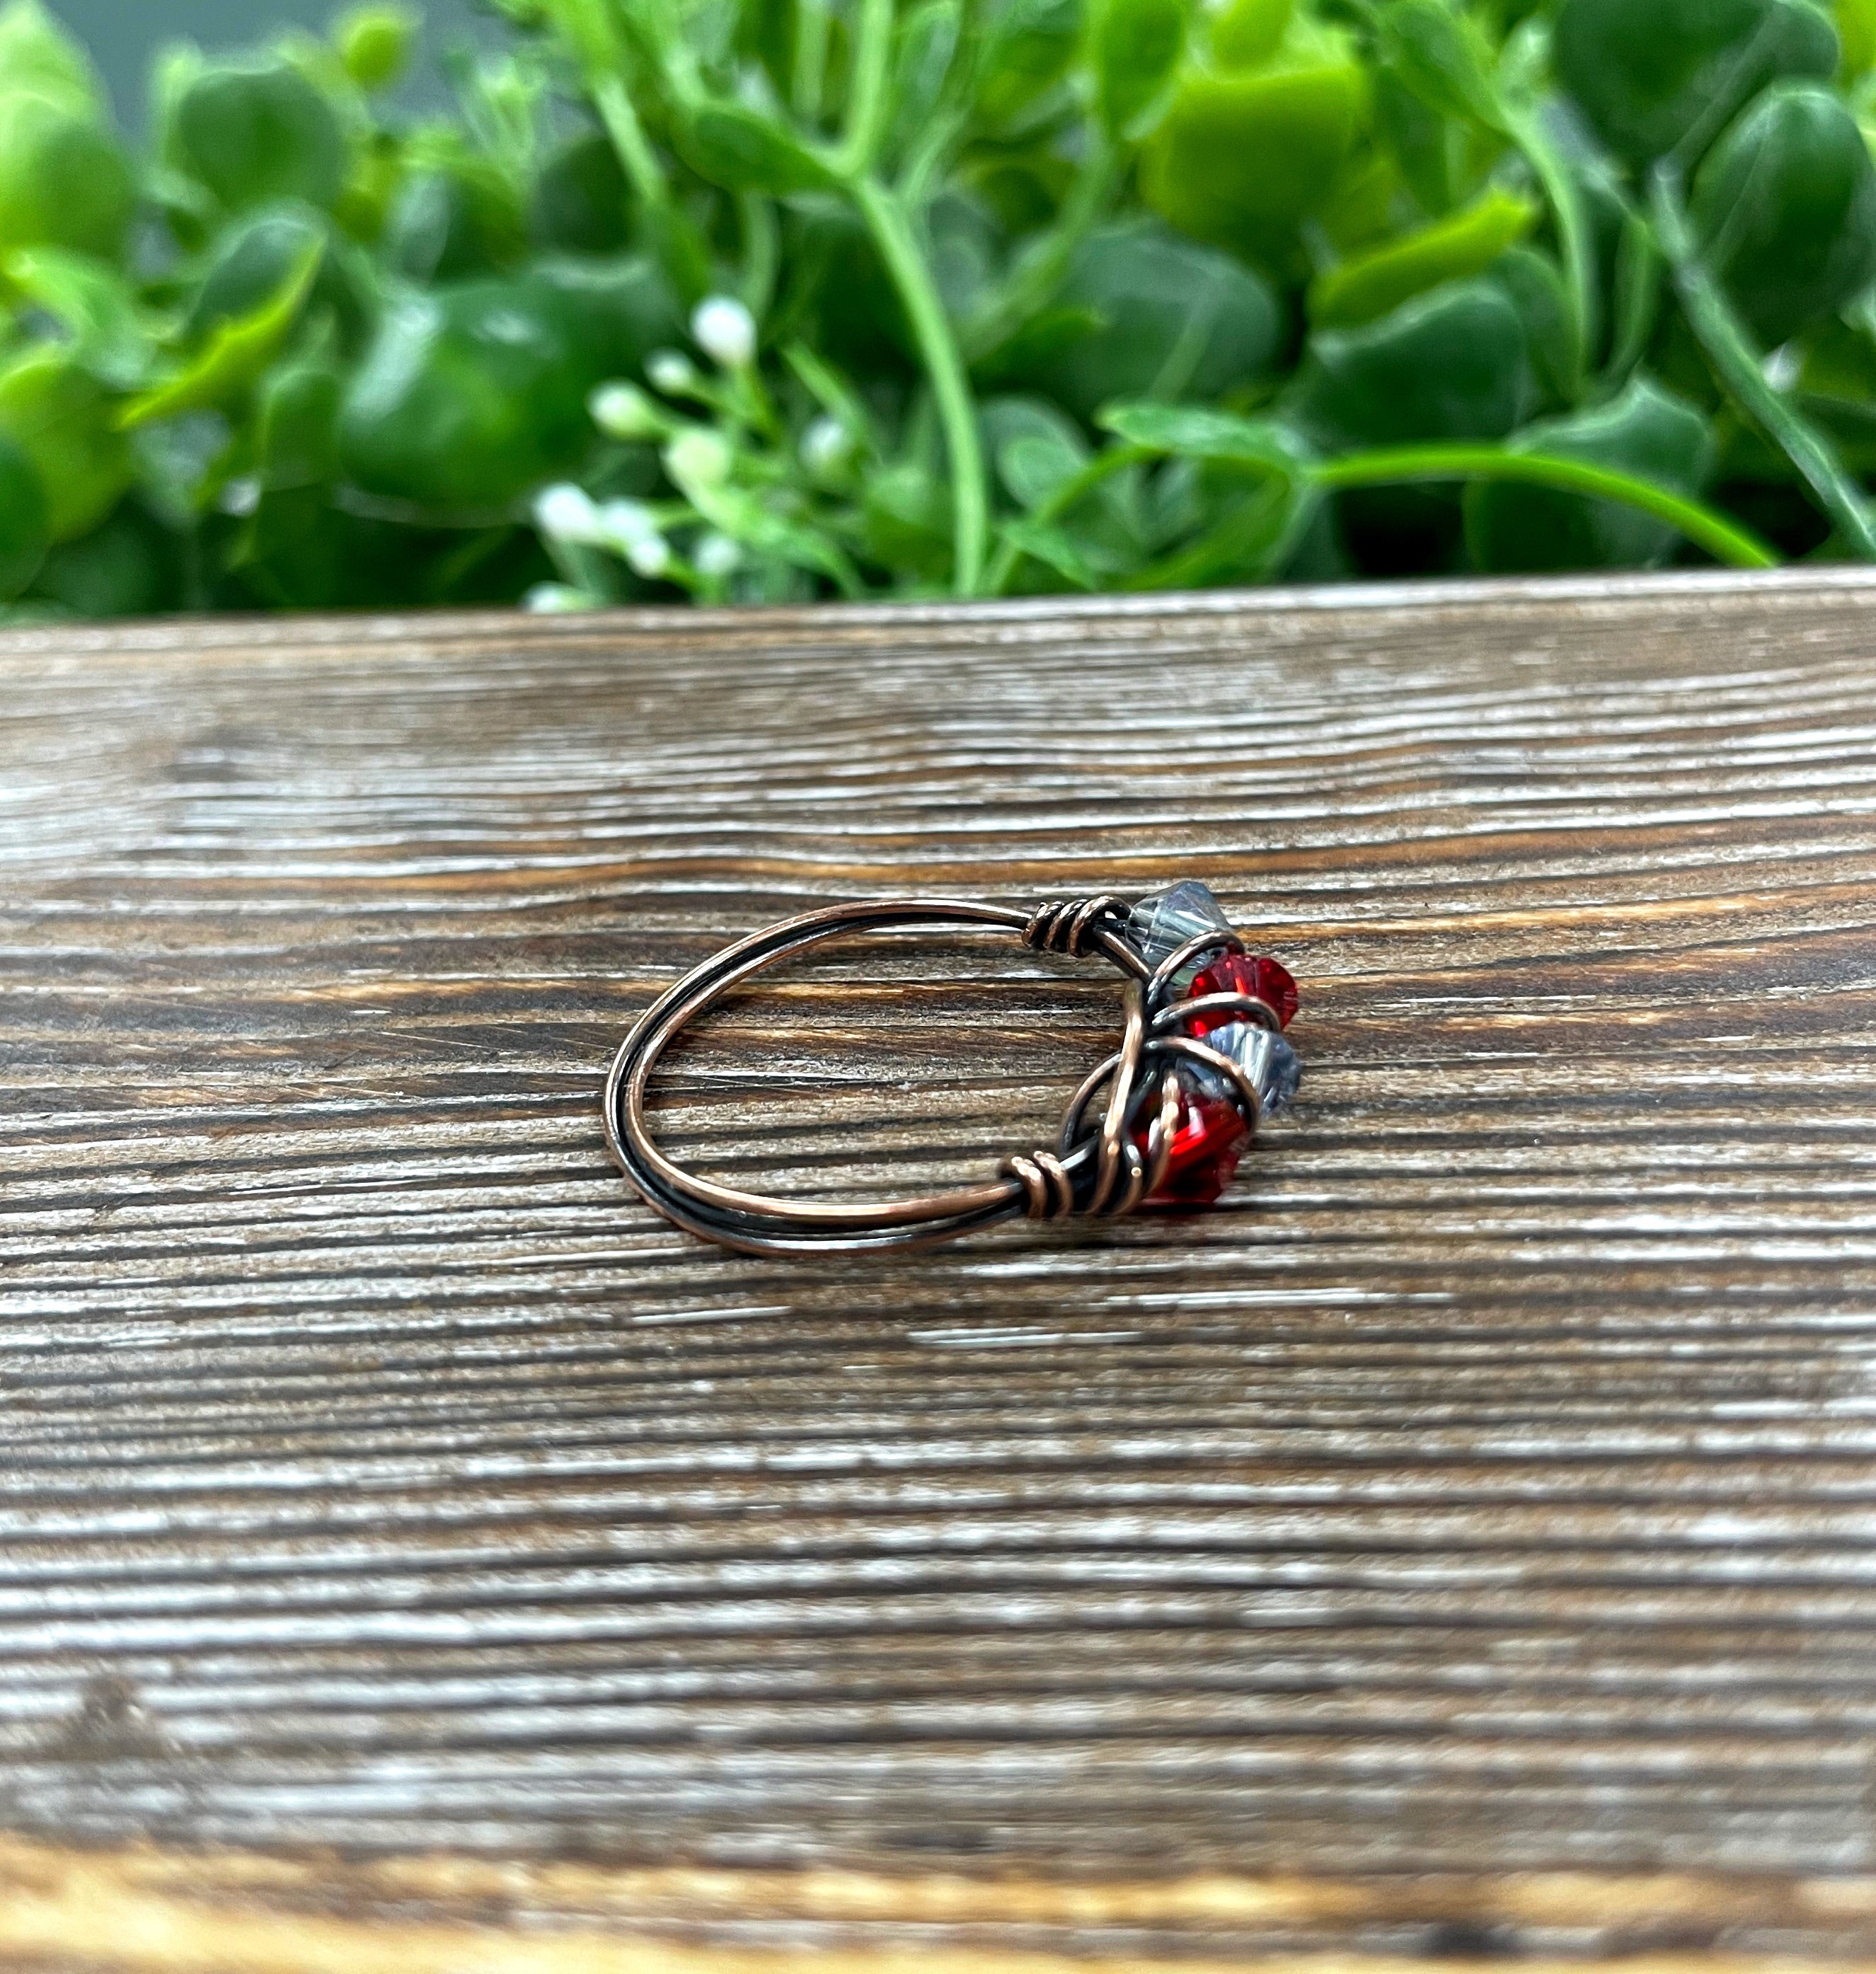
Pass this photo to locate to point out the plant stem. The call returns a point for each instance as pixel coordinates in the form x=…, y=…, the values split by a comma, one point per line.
x=1739, y=368
x=629, y=141
x=867, y=95
x=1701, y=525
x=761, y=251
x=1267, y=525
x=1637, y=299
x=670, y=230
x=1032, y=287
x=1065, y=496
x=1566, y=197
x=957, y=410
x=811, y=42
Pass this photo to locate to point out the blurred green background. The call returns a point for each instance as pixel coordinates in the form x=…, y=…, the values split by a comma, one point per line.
x=764, y=300
x=121, y=34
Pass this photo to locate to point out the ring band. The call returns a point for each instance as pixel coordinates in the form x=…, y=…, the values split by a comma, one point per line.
x=1202, y=1059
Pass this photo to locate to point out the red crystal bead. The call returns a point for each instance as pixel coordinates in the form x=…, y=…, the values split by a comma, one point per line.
x=1245, y=973
x=1206, y=1146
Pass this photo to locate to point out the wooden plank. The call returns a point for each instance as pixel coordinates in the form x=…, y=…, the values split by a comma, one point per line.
x=1481, y=1501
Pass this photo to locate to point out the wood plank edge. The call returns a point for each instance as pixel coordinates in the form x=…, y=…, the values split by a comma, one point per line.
x=146, y=1911
x=344, y=632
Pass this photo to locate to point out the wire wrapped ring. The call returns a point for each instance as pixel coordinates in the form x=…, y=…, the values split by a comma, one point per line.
x=1194, y=1073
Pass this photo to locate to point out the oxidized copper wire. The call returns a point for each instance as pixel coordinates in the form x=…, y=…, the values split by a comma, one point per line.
x=1104, y=1169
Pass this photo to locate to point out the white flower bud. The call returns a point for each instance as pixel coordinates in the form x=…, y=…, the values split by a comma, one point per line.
x=566, y=513
x=717, y=555
x=621, y=523
x=725, y=331
x=826, y=446
x=556, y=599
x=671, y=370
x=697, y=457
x=623, y=411
x=649, y=554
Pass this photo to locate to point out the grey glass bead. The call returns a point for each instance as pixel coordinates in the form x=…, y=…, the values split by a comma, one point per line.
x=1275, y=1067
x=1271, y=1063
x=1161, y=924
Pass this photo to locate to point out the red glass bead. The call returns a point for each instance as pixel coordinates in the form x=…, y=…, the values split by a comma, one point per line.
x=1206, y=1146
x=1245, y=973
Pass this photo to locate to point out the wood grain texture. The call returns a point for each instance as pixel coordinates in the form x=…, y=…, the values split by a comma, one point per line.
x=1462, y=1541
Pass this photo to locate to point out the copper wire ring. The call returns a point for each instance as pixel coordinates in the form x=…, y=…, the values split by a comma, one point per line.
x=1108, y=1168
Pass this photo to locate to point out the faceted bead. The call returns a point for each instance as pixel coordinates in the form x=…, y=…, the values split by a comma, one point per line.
x=1206, y=1144
x=1273, y=1067
x=1272, y=1064
x=1245, y=973
x=1158, y=927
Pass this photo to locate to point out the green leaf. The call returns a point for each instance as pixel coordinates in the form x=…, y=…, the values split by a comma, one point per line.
x=1649, y=75
x=38, y=58
x=1257, y=531
x=1420, y=142
x=374, y=43
x=256, y=255
x=60, y=416
x=1133, y=46
x=1035, y=448
x=237, y=351
x=1856, y=29
x=1028, y=48
x=906, y=517
x=93, y=304
x=65, y=180
x=1647, y=431
x=1441, y=55
x=1141, y=313
x=128, y=566
x=1534, y=285
x=296, y=426
x=580, y=202
x=1242, y=158
x=25, y=525
x=1452, y=364
x=1249, y=33
x=1366, y=285
x=449, y=225
x=1054, y=547
x=473, y=394
x=927, y=46
x=741, y=150
x=1035, y=466
x=1192, y=431
x=1784, y=210
x=251, y=131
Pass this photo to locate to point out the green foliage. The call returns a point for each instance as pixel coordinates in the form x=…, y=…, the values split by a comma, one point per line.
x=1650, y=77
x=62, y=418
x=251, y=131
x=473, y=394
x=1453, y=364
x=760, y=300
x=1784, y=208
x=25, y=529
x=1647, y=431
x=374, y=43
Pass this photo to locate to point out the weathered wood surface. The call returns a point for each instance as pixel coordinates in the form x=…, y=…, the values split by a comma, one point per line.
x=1463, y=1540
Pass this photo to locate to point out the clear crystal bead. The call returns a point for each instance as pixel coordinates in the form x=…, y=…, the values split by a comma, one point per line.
x=1273, y=1067
x=1160, y=925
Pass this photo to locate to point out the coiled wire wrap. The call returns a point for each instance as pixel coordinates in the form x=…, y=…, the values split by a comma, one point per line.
x=1103, y=1166
x=1066, y=925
